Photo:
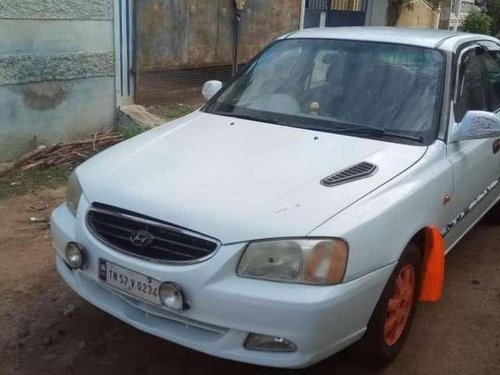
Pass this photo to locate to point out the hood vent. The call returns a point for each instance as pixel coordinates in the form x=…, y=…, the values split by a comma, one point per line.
x=350, y=174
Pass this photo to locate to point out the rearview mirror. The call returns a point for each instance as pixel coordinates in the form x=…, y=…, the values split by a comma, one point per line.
x=211, y=88
x=476, y=125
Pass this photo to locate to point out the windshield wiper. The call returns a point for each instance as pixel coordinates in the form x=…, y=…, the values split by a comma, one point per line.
x=371, y=131
x=347, y=129
x=268, y=119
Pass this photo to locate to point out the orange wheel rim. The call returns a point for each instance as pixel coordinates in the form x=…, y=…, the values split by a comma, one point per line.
x=399, y=306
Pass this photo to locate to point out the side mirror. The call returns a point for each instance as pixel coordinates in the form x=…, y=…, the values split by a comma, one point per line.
x=476, y=125
x=210, y=88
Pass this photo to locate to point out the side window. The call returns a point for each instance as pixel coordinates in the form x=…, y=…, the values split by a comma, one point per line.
x=471, y=88
x=492, y=61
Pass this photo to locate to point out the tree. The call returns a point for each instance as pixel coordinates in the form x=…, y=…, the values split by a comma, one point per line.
x=436, y=4
x=477, y=22
x=493, y=9
x=394, y=8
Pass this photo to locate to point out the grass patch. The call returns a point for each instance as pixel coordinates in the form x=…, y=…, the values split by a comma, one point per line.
x=172, y=111
x=18, y=182
x=167, y=112
x=128, y=132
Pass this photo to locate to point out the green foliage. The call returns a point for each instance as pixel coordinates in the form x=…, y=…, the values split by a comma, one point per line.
x=131, y=131
x=166, y=112
x=18, y=182
x=394, y=8
x=172, y=111
x=478, y=22
x=493, y=7
x=438, y=3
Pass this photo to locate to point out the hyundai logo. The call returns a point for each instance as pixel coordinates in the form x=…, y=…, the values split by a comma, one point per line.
x=141, y=238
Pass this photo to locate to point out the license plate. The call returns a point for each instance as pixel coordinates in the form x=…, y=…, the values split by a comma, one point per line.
x=130, y=282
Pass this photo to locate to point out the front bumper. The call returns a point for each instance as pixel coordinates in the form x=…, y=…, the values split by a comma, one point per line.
x=225, y=308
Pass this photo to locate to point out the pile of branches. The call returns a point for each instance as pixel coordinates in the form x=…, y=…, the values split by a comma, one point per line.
x=63, y=154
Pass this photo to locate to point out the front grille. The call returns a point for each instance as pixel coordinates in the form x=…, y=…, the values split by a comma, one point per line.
x=352, y=173
x=168, y=243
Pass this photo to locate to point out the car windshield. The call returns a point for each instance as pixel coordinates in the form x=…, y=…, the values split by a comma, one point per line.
x=364, y=88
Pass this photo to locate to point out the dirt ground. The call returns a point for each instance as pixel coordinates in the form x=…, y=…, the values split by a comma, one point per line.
x=46, y=328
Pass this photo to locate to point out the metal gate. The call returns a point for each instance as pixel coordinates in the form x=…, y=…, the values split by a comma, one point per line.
x=335, y=13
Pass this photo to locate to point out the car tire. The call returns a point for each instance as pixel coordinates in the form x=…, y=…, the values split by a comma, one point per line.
x=393, y=314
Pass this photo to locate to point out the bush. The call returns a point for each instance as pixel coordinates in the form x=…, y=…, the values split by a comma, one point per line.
x=478, y=22
x=493, y=7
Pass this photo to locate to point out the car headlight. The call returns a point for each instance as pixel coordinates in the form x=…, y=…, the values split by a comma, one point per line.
x=309, y=261
x=73, y=193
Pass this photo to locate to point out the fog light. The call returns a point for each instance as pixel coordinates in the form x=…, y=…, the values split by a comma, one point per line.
x=171, y=296
x=269, y=343
x=75, y=255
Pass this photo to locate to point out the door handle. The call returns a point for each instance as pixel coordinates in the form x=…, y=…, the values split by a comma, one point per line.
x=496, y=146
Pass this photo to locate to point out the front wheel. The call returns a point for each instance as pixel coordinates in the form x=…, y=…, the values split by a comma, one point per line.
x=393, y=315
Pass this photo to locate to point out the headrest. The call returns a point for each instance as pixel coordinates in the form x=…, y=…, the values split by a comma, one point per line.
x=330, y=57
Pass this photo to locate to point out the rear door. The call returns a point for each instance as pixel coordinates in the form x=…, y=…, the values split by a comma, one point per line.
x=476, y=163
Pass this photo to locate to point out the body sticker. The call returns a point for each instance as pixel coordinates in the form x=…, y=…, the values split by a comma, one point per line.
x=469, y=208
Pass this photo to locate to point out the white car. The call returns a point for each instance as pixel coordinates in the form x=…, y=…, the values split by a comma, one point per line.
x=308, y=206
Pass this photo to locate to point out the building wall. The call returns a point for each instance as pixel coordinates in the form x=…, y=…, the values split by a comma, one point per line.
x=182, y=43
x=263, y=21
x=376, y=13
x=56, y=71
x=192, y=33
x=420, y=15
x=460, y=9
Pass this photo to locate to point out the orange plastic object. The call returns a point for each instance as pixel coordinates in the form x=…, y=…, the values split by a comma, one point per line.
x=433, y=267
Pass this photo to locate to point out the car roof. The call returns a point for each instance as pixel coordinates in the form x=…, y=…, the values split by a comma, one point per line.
x=443, y=39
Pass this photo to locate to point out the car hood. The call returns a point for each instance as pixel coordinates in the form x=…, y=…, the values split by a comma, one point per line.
x=238, y=180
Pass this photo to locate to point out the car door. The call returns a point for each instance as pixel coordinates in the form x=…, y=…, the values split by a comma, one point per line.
x=476, y=163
